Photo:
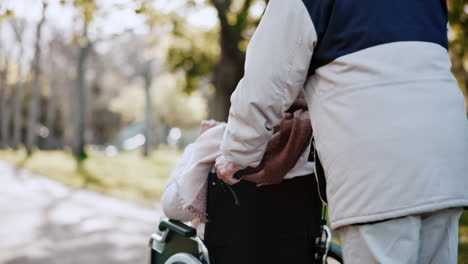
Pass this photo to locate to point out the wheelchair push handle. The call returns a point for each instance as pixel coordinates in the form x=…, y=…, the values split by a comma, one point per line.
x=178, y=227
x=239, y=174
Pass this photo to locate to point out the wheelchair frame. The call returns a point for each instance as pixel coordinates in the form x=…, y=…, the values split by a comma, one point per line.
x=324, y=247
x=158, y=241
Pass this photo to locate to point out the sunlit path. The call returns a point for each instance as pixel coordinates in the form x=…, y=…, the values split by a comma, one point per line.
x=45, y=222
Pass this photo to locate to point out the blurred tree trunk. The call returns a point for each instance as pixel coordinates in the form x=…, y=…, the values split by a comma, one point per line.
x=51, y=115
x=4, y=96
x=148, y=78
x=18, y=29
x=34, y=106
x=70, y=115
x=227, y=74
x=79, y=150
x=6, y=106
x=17, y=114
x=230, y=67
x=458, y=18
x=152, y=18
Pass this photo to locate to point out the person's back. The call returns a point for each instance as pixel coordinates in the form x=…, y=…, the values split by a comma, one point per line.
x=386, y=109
x=387, y=112
x=388, y=118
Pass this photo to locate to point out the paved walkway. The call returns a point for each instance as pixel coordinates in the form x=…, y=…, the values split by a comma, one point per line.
x=44, y=222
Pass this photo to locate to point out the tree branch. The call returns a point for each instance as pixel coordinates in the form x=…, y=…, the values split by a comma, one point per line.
x=18, y=28
x=222, y=6
x=244, y=12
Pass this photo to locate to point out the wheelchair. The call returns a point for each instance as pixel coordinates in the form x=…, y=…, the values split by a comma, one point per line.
x=177, y=243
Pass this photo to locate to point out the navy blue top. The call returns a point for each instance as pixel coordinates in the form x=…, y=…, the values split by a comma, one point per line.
x=347, y=26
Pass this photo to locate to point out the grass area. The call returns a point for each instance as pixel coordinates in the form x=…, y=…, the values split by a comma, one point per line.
x=463, y=239
x=127, y=175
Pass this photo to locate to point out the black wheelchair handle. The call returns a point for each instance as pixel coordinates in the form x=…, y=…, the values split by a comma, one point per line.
x=239, y=174
x=178, y=227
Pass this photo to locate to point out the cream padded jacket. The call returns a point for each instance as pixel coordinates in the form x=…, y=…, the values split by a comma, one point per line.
x=388, y=118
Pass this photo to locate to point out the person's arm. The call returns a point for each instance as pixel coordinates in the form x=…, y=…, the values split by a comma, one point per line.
x=276, y=68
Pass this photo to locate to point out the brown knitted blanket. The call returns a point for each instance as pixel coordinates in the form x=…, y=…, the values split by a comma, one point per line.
x=289, y=141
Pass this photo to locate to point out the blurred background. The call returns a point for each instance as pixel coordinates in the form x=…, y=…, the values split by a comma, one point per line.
x=98, y=98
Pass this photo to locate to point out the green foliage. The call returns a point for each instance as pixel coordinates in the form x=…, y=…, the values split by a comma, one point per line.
x=458, y=37
x=6, y=14
x=196, y=52
x=463, y=239
x=152, y=16
x=193, y=51
x=88, y=9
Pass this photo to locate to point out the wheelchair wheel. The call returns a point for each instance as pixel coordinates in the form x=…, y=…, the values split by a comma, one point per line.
x=183, y=258
x=335, y=254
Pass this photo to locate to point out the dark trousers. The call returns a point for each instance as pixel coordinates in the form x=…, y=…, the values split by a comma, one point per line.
x=271, y=224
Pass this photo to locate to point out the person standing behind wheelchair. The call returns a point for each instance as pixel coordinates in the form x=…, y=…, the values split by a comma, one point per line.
x=389, y=121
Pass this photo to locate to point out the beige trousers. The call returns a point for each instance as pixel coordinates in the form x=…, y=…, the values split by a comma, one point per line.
x=430, y=238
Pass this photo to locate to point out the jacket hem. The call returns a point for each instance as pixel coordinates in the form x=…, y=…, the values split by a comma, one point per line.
x=418, y=209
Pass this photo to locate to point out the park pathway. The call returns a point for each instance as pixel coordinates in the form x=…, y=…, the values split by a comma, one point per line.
x=44, y=222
